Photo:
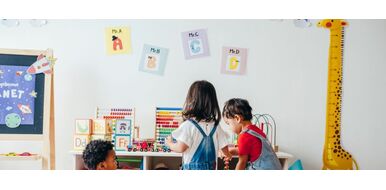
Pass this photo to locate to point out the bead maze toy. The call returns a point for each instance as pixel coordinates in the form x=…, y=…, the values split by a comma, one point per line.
x=334, y=156
x=115, y=113
x=167, y=120
x=268, y=125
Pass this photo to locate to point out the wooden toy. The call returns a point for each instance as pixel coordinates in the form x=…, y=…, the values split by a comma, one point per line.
x=102, y=126
x=121, y=115
x=81, y=141
x=11, y=154
x=25, y=154
x=142, y=145
x=122, y=142
x=83, y=126
x=115, y=113
x=226, y=164
x=107, y=137
x=167, y=120
x=268, y=125
x=123, y=127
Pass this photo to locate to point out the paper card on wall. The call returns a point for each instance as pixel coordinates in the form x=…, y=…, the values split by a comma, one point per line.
x=153, y=59
x=195, y=43
x=118, y=40
x=17, y=105
x=234, y=60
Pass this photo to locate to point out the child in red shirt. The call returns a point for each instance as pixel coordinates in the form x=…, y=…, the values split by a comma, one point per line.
x=254, y=150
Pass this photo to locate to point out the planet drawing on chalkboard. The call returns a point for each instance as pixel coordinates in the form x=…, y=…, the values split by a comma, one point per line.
x=13, y=120
x=28, y=77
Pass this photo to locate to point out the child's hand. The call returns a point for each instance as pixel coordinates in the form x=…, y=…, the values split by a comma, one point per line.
x=221, y=154
x=169, y=140
x=226, y=163
x=225, y=157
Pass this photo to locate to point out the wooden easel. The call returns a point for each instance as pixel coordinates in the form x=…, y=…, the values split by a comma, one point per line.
x=48, y=136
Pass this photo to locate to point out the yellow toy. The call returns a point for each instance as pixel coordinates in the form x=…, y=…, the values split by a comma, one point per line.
x=334, y=156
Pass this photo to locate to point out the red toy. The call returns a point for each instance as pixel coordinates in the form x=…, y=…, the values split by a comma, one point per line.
x=144, y=145
x=25, y=154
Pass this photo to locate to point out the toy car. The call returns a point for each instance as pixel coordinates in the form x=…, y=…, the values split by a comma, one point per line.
x=25, y=154
x=144, y=145
x=11, y=154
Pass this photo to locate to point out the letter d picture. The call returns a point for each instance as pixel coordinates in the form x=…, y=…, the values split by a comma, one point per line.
x=234, y=60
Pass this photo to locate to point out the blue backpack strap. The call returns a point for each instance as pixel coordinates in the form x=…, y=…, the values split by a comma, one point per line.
x=198, y=127
x=213, y=130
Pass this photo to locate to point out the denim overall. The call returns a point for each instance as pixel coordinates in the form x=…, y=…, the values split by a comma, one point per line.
x=205, y=156
x=267, y=159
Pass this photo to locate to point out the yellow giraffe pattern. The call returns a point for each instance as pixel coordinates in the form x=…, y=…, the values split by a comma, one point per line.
x=334, y=156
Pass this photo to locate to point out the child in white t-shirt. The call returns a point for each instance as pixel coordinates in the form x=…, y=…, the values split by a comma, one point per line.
x=200, y=137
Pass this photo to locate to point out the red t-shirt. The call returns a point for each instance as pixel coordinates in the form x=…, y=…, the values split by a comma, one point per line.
x=250, y=145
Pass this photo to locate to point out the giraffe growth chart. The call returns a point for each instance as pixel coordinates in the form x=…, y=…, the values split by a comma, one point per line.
x=334, y=156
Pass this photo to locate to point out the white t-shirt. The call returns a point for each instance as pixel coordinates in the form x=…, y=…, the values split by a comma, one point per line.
x=191, y=136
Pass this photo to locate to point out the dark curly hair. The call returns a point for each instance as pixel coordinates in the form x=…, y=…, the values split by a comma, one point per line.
x=237, y=106
x=96, y=152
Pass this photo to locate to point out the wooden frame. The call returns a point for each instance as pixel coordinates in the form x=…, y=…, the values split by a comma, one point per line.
x=48, y=136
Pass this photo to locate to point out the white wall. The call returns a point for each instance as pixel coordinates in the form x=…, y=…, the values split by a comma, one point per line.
x=286, y=77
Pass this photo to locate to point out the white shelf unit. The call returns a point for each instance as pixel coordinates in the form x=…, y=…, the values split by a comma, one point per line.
x=171, y=159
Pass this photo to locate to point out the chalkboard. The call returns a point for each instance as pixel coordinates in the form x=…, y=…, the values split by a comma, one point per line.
x=21, y=95
x=27, y=100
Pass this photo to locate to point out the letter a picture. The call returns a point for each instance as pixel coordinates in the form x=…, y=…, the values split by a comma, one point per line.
x=118, y=40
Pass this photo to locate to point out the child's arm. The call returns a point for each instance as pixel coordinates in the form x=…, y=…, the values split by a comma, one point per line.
x=243, y=160
x=234, y=150
x=176, y=147
x=226, y=153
